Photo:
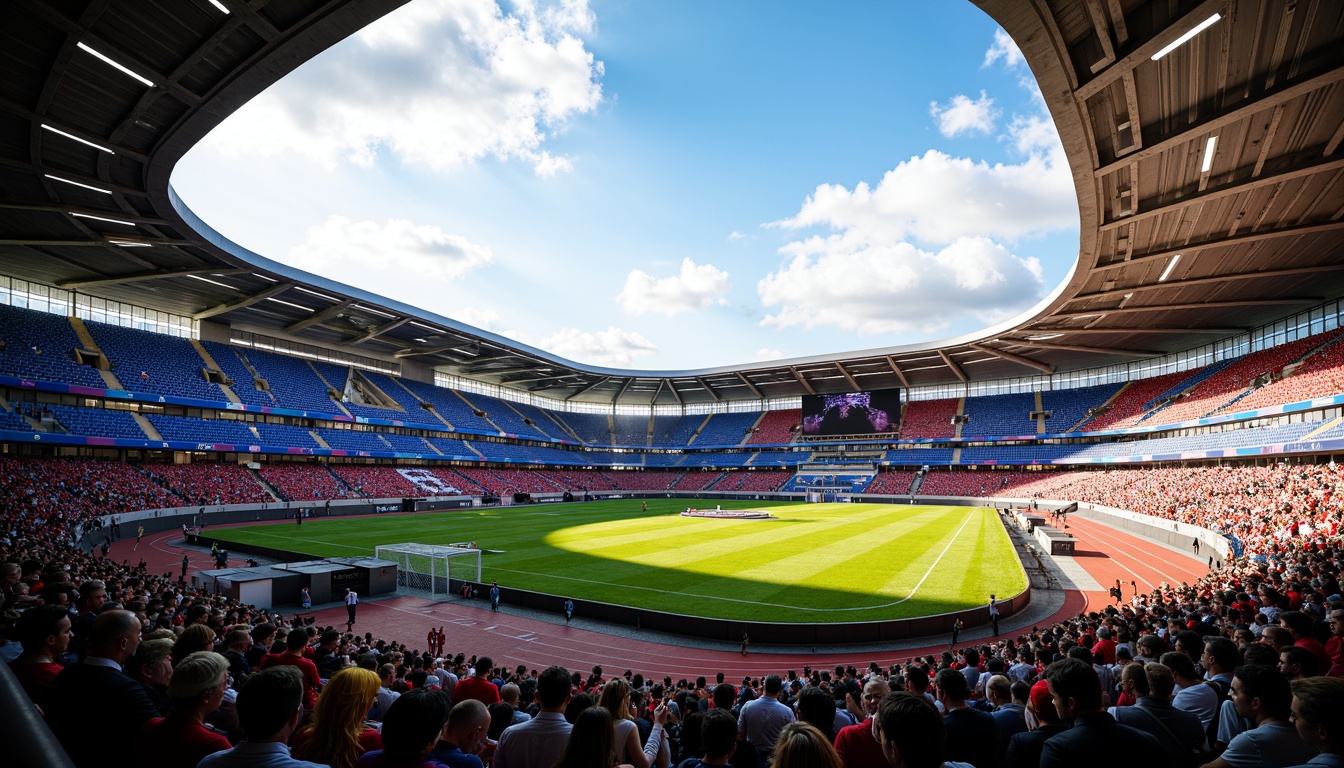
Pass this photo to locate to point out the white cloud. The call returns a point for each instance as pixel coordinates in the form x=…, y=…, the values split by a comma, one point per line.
x=937, y=198
x=962, y=115
x=485, y=319
x=1003, y=48
x=735, y=236
x=696, y=286
x=889, y=289
x=387, y=257
x=437, y=83
x=613, y=347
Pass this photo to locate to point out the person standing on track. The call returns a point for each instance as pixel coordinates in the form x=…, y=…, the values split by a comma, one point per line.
x=994, y=613
x=140, y=534
x=185, y=564
x=569, y=609
x=305, y=599
x=351, y=600
x=494, y=595
x=745, y=642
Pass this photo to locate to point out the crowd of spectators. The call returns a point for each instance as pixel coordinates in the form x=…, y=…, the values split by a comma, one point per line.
x=374, y=481
x=776, y=427
x=1242, y=667
x=1320, y=375
x=210, y=483
x=305, y=482
x=929, y=418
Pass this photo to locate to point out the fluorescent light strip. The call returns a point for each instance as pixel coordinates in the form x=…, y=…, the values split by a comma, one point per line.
x=115, y=64
x=428, y=327
x=1208, y=154
x=263, y=277
x=220, y=6
x=78, y=184
x=1170, y=266
x=100, y=218
x=212, y=282
x=1183, y=39
x=126, y=244
x=291, y=304
x=374, y=311
x=1047, y=337
x=58, y=131
x=315, y=293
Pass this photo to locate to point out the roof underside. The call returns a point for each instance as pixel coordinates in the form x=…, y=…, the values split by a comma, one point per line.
x=1259, y=233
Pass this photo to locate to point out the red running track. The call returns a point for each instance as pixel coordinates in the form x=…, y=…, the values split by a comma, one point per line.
x=1105, y=553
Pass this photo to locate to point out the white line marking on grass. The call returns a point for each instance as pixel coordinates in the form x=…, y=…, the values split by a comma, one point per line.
x=310, y=541
x=935, y=562
x=753, y=602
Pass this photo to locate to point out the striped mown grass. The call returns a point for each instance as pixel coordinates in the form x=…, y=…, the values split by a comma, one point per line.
x=810, y=563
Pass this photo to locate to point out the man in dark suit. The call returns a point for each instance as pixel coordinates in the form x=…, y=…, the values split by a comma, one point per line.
x=1024, y=749
x=93, y=706
x=1096, y=739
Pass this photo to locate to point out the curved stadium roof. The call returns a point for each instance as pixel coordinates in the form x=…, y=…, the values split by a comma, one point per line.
x=1259, y=231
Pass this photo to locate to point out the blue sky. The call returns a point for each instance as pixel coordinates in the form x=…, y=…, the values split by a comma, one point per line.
x=661, y=185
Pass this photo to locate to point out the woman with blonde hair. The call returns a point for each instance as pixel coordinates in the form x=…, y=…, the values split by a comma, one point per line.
x=196, y=637
x=615, y=700
x=801, y=745
x=338, y=735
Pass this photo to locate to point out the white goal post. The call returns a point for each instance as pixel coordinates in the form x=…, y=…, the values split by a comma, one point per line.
x=430, y=567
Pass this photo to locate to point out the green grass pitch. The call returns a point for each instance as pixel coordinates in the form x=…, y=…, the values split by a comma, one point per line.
x=813, y=563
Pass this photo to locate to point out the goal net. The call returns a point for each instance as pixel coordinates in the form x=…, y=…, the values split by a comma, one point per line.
x=431, y=568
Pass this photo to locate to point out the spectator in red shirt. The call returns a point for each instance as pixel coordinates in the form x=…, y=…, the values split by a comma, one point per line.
x=855, y=743
x=182, y=739
x=295, y=643
x=1334, y=647
x=1104, y=650
x=1300, y=625
x=44, y=633
x=478, y=687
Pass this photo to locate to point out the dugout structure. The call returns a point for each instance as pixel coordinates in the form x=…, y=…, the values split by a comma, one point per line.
x=431, y=568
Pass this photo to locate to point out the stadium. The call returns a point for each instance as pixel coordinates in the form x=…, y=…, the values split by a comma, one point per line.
x=1167, y=419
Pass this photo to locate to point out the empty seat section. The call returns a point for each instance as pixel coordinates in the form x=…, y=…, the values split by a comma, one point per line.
x=232, y=366
x=353, y=440
x=591, y=428
x=1000, y=415
x=541, y=422
x=631, y=430
x=292, y=382
x=194, y=430
x=675, y=431
x=918, y=457
x=407, y=443
x=454, y=448
x=929, y=418
x=1067, y=407
x=98, y=422
x=286, y=435
x=448, y=405
x=40, y=345
x=505, y=417
x=777, y=427
x=144, y=361
x=727, y=428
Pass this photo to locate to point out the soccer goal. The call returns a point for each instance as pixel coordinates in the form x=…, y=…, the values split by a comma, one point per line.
x=431, y=568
